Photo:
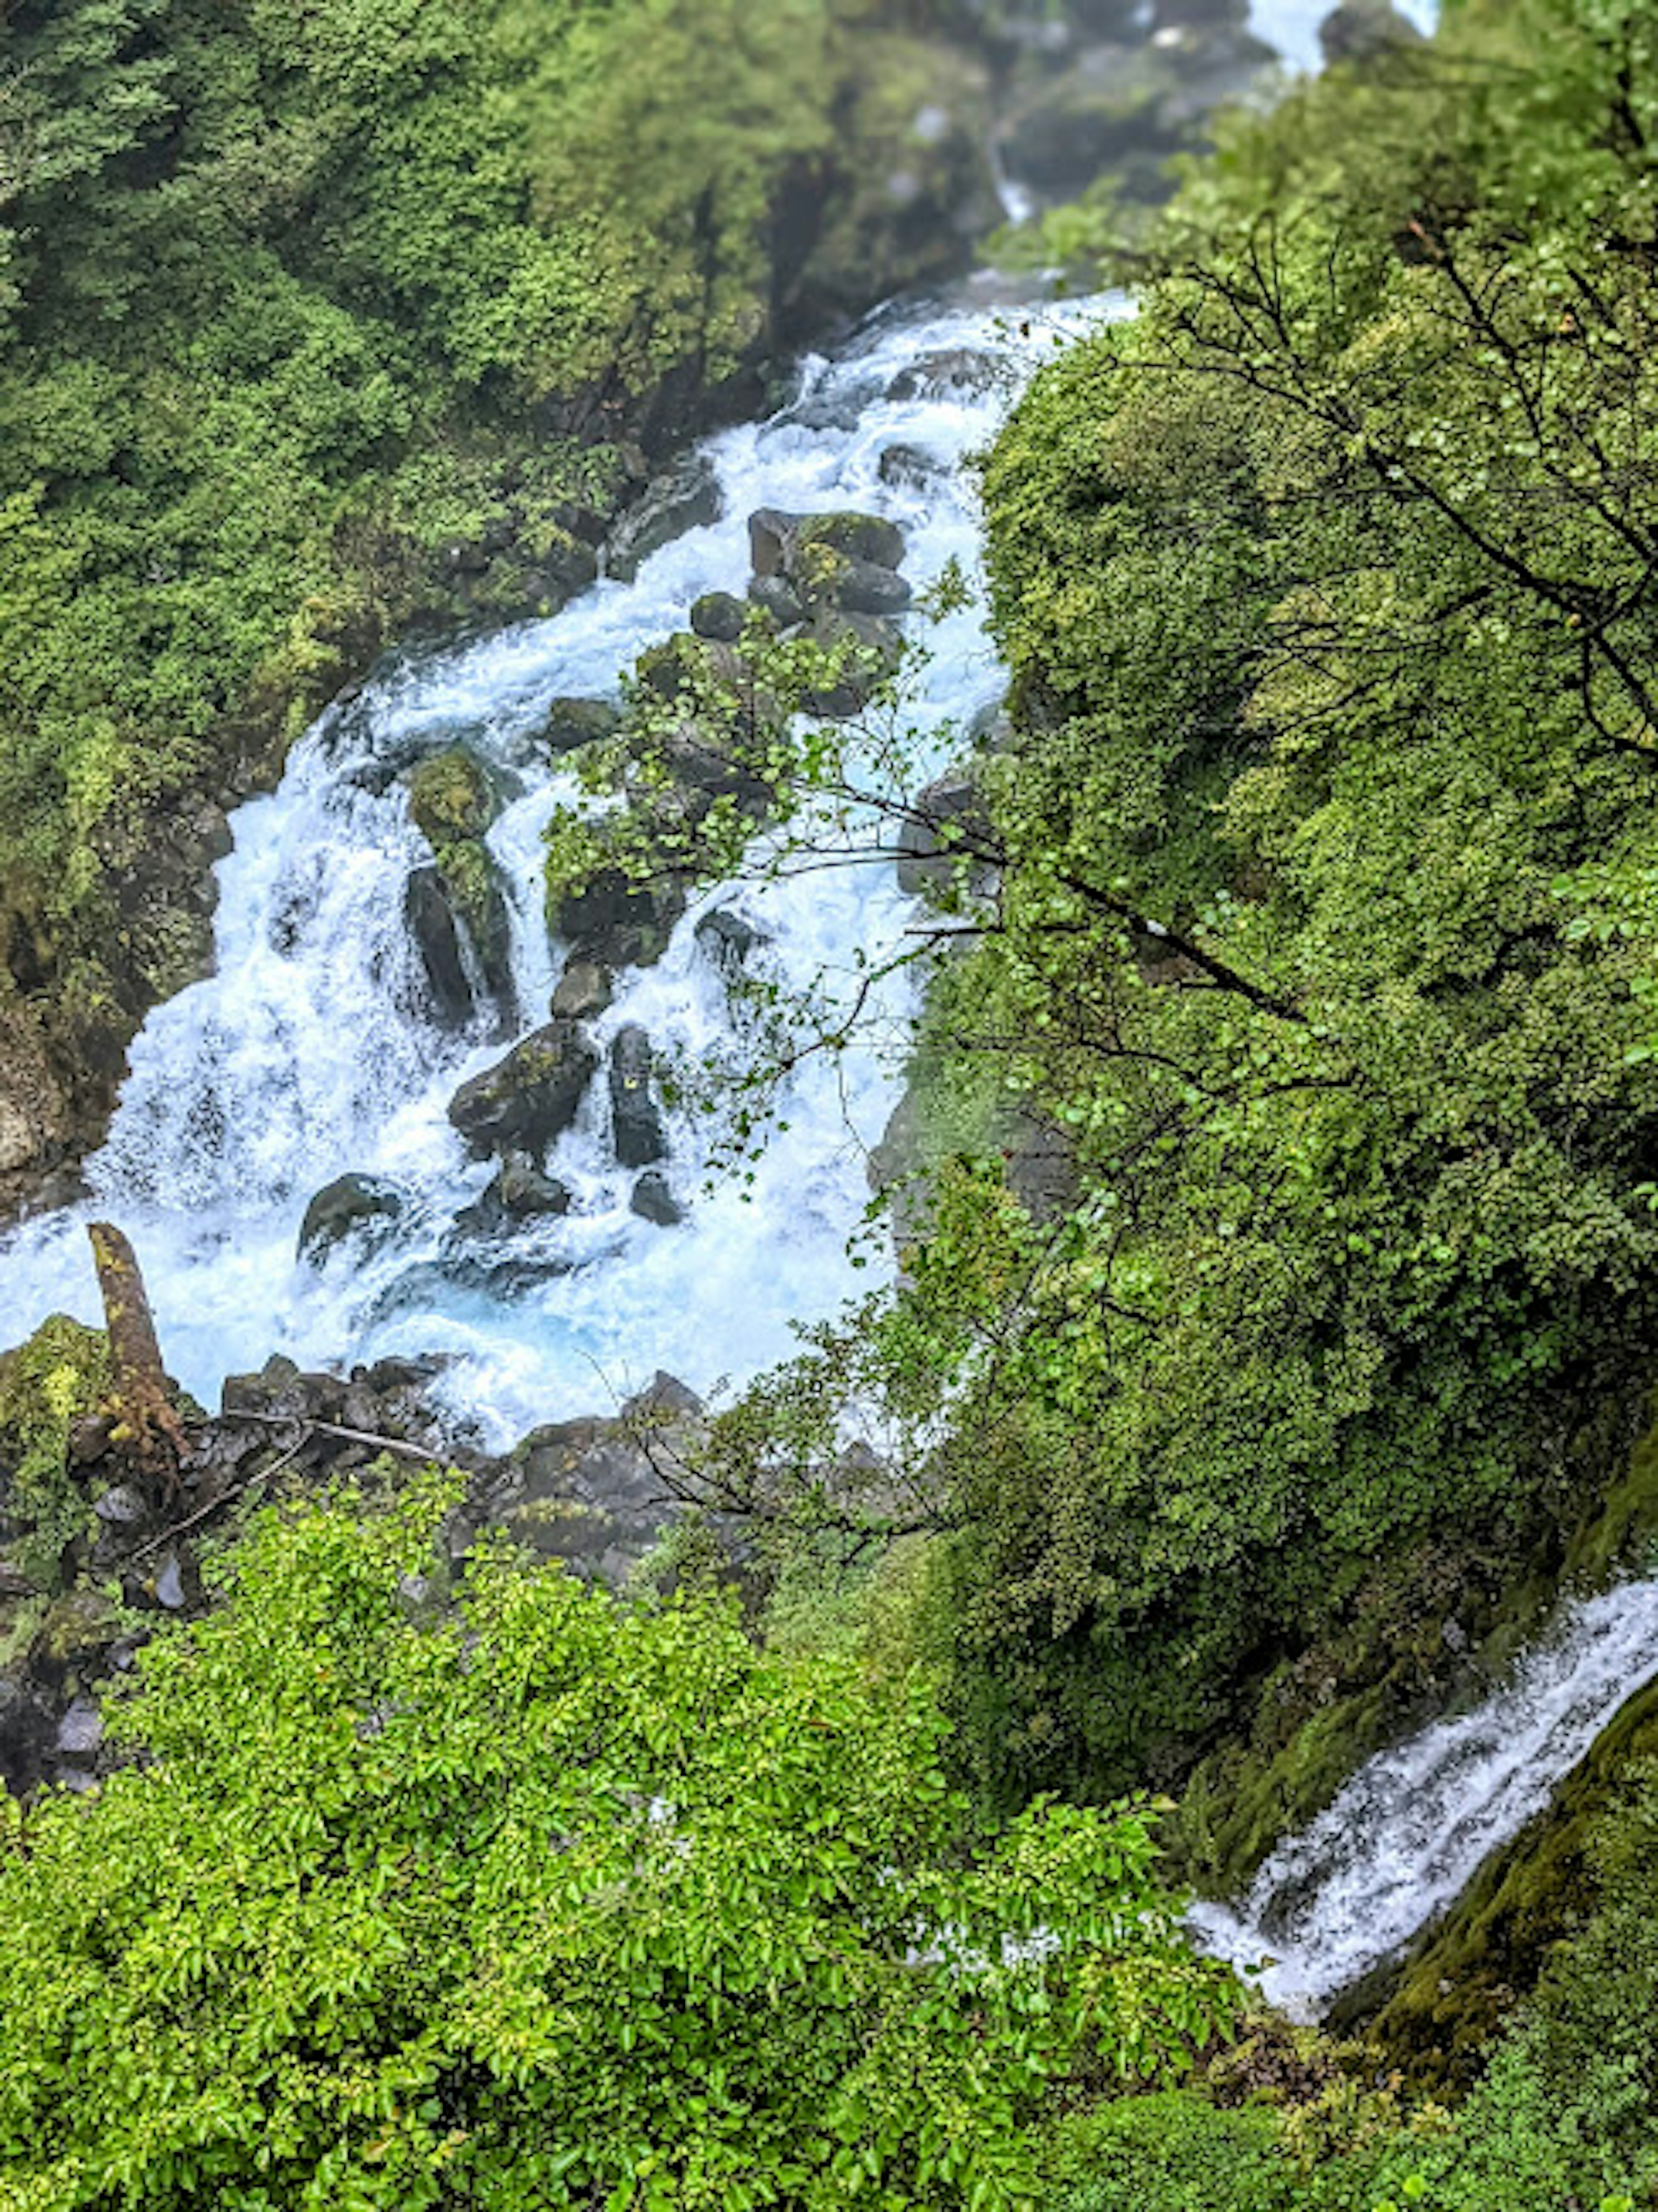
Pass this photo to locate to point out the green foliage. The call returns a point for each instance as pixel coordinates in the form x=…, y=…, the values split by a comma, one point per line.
x=547, y=1901
x=46, y=1386
x=1173, y=2152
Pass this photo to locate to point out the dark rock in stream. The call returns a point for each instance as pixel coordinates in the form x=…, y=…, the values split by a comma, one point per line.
x=528, y=1099
x=654, y=1200
x=636, y=1120
x=718, y=616
x=350, y=1204
x=573, y=723
x=908, y=468
x=726, y=940
x=519, y=1192
x=686, y=496
x=583, y=990
x=430, y=919
x=781, y=543
x=955, y=369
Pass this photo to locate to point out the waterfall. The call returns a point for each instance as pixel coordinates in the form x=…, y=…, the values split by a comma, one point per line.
x=1414, y=1825
x=313, y=1049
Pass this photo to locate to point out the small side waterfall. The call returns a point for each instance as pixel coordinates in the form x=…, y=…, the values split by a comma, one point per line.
x=1414, y=1825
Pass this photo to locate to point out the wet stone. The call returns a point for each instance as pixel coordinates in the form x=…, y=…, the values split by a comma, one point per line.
x=654, y=1200
x=635, y=1121
x=120, y=1508
x=583, y=990
x=726, y=940
x=80, y=1734
x=907, y=468
x=348, y=1204
x=170, y=1585
x=719, y=616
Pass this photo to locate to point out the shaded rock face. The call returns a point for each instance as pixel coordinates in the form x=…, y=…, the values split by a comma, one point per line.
x=945, y=819
x=345, y=1207
x=531, y=1097
x=430, y=921
x=573, y=723
x=1362, y=30
x=612, y=923
x=594, y=1492
x=684, y=498
x=635, y=1120
x=654, y=1200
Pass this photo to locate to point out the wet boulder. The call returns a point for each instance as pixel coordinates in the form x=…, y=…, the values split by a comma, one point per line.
x=519, y=1192
x=527, y=1100
x=635, y=1119
x=572, y=723
x=454, y=801
x=781, y=543
x=654, y=1200
x=908, y=468
x=777, y=597
x=864, y=587
x=718, y=616
x=616, y=922
x=451, y=796
x=950, y=369
x=430, y=921
x=726, y=940
x=685, y=497
x=942, y=824
x=352, y=1205
x=583, y=990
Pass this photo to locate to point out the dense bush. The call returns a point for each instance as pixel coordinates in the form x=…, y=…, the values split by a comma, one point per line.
x=542, y=1900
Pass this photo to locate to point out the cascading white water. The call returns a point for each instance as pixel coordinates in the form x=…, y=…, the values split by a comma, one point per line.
x=312, y=1051
x=1414, y=1825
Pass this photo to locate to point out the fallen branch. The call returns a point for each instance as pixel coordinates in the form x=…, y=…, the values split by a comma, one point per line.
x=183, y=1528
x=422, y=1453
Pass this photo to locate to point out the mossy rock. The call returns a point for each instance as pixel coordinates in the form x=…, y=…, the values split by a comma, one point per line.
x=451, y=797
x=47, y=1387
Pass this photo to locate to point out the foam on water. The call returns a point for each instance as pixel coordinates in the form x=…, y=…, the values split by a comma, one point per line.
x=311, y=1050
x=1413, y=1827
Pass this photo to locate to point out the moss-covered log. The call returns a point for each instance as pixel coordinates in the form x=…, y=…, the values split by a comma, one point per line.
x=142, y=1421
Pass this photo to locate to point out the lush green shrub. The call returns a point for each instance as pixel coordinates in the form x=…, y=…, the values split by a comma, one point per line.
x=545, y=1901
